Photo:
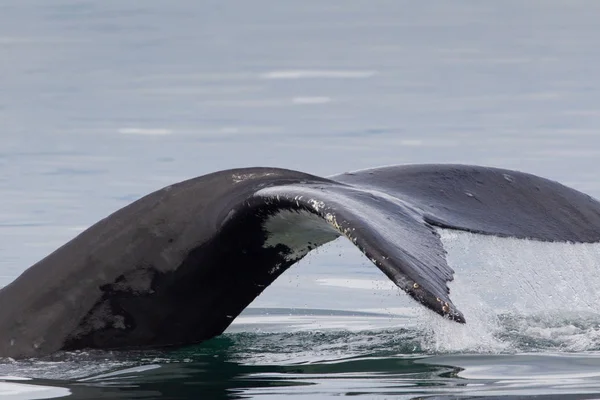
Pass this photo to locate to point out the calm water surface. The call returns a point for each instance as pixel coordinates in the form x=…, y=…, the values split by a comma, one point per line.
x=103, y=102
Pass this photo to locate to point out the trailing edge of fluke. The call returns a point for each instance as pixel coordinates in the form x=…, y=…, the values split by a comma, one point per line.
x=178, y=265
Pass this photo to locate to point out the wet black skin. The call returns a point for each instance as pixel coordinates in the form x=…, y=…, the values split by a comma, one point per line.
x=177, y=266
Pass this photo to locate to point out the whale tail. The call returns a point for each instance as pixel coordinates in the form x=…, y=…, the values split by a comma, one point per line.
x=177, y=266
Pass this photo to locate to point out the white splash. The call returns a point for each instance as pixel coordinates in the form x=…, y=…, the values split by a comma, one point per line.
x=539, y=287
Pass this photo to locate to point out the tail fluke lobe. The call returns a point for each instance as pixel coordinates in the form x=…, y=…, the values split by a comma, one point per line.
x=389, y=233
x=177, y=266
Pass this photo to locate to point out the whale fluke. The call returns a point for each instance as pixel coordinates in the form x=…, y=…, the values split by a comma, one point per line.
x=178, y=265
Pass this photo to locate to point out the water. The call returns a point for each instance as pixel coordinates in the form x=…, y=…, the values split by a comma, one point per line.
x=103, y=102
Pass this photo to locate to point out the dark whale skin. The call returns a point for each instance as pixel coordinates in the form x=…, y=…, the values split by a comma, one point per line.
x=178, y=265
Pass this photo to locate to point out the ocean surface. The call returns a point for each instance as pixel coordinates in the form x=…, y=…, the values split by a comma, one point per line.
x=103, y=102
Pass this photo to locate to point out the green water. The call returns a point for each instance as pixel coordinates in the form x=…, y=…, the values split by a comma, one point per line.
x=387, y=363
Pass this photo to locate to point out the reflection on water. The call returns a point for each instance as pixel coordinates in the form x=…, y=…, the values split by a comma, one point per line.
x=234, y=366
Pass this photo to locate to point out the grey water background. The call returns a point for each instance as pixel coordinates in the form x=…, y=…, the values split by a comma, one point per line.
x=103, y=102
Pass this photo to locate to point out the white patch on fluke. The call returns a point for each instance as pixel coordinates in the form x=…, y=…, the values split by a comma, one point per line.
x=316, y=204
x=237, y=178
x=300, y=231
